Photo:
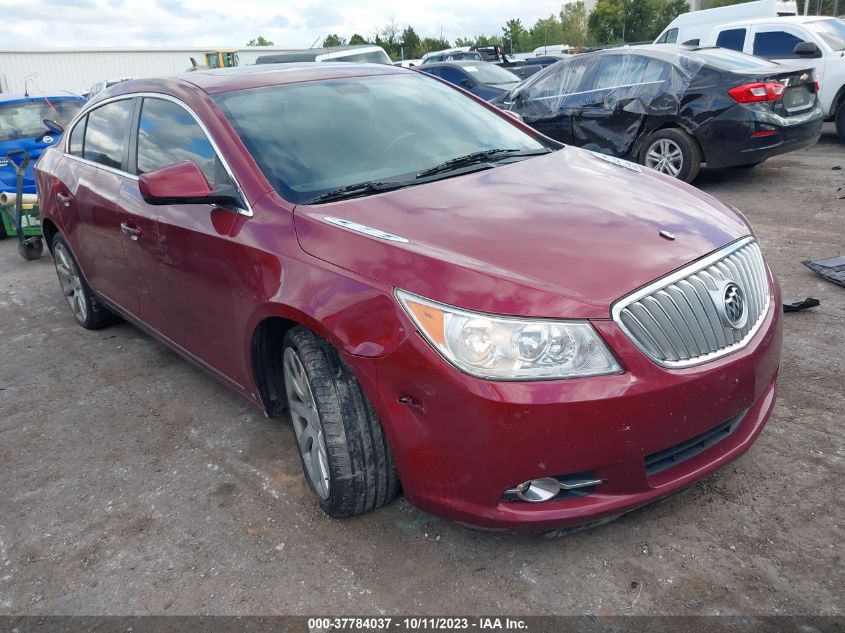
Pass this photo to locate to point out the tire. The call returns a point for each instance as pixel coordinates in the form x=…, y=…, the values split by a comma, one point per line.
x=669, y=143
x=840, y=120
x=86, y=309
x=344, y=453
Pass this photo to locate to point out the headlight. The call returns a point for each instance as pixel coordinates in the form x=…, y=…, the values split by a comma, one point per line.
x=510, y=348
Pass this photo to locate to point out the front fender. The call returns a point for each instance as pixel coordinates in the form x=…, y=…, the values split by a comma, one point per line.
x=358, y=315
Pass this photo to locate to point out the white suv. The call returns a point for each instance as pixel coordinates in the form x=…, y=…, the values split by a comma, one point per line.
x=822, y=45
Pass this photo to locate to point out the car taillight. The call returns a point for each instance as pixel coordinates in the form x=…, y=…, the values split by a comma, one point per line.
x=818, y=86
x=757, y=92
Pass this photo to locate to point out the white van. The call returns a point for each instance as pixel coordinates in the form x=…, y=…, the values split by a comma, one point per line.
x=695, y=26
x=796, y=41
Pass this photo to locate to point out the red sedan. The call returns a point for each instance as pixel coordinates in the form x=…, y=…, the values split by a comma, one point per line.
x=525, y=335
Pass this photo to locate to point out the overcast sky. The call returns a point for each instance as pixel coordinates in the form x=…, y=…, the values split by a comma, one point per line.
x=294, y=23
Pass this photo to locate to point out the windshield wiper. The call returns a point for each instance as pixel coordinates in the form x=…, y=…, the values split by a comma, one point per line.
x=358, y=189
x=476, y=158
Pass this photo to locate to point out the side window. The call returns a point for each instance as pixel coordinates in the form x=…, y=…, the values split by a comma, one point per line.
x=775, y=44
x=76, y=137
x=105, y=133
x=625, y=71
x=168, y=134
x=452, y=75
x=732, y=38
x=669, y=37
x=433, y=71
x=563, y=80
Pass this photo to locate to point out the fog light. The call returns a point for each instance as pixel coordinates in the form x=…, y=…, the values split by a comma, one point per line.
x=538, y=490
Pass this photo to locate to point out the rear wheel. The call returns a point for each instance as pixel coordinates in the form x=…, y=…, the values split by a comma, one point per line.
x=86, y=309
x=344, y=453
x=672, y=152
x=840, y=120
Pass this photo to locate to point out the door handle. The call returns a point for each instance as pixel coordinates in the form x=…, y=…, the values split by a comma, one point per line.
x=64, y=198
x=130, y=231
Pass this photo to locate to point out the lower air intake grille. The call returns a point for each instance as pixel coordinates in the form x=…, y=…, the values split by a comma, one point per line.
x=679, y=453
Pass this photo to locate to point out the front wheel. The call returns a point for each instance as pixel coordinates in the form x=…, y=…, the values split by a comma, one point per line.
x=672, y=152
x=344, y=453
x=840, y=121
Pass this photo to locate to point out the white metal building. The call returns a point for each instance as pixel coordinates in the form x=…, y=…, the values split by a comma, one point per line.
x=77, y=69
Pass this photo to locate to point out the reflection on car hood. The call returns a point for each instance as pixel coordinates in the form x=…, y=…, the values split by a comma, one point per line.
x=561, y=235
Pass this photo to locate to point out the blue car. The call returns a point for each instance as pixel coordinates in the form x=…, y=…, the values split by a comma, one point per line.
x=22, y=127
x=483, y=79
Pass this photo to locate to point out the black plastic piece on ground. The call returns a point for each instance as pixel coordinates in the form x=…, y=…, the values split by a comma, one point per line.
x=832, y=268
x=797, y=306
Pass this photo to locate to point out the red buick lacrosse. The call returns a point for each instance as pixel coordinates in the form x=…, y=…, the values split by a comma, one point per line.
x=521, y=335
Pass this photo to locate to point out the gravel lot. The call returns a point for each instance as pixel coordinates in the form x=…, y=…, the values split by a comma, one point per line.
x=130, y=483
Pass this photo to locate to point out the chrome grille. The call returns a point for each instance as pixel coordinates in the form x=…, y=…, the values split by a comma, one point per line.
x=678, y=320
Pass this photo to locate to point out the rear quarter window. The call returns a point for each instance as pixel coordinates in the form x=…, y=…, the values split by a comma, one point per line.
x=77, y=135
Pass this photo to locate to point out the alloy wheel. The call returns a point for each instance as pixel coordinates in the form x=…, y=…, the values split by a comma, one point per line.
x=306, y=424
x=665, y=156
x=70, y=282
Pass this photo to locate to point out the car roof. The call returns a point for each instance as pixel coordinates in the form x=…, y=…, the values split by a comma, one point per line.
x=257, y=76
x=669, y=53
x=784, y=19
x=462, y=62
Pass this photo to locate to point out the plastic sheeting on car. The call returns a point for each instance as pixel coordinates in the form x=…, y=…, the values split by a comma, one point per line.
x=600, y=102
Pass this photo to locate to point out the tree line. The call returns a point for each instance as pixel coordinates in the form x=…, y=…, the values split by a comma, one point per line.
x=611, y=22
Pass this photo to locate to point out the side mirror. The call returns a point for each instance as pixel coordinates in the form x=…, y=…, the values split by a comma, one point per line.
x=807, y=49
x=53, y=126
x=184, y=183
x=466, y=83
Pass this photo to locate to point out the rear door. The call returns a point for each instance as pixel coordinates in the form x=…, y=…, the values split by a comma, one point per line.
x=91, y=176
x=620, y=92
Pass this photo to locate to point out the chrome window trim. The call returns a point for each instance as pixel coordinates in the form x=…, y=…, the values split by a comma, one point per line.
x=112, y=170
x=675, y=277
x=154, y=95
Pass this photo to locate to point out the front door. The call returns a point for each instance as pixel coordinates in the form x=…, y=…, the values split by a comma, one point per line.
x=185, y=256
x=546, y=103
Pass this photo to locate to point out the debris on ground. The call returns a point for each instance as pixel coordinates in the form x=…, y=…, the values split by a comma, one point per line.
x=796, y=306
x=832, y=268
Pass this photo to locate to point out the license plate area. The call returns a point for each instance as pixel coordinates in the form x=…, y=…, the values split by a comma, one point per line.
x=797, y=99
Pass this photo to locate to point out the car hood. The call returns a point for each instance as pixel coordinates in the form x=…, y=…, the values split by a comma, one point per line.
x=560, y=235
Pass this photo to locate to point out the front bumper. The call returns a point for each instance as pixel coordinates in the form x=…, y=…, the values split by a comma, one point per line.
x=460, y=442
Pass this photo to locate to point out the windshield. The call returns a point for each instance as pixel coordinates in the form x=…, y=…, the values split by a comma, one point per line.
x=726, y=59
x=24, y=119
x=312, y=137
x=491, y=74
x=831, y=31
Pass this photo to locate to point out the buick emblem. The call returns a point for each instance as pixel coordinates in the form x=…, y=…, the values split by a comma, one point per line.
x=733, y=306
